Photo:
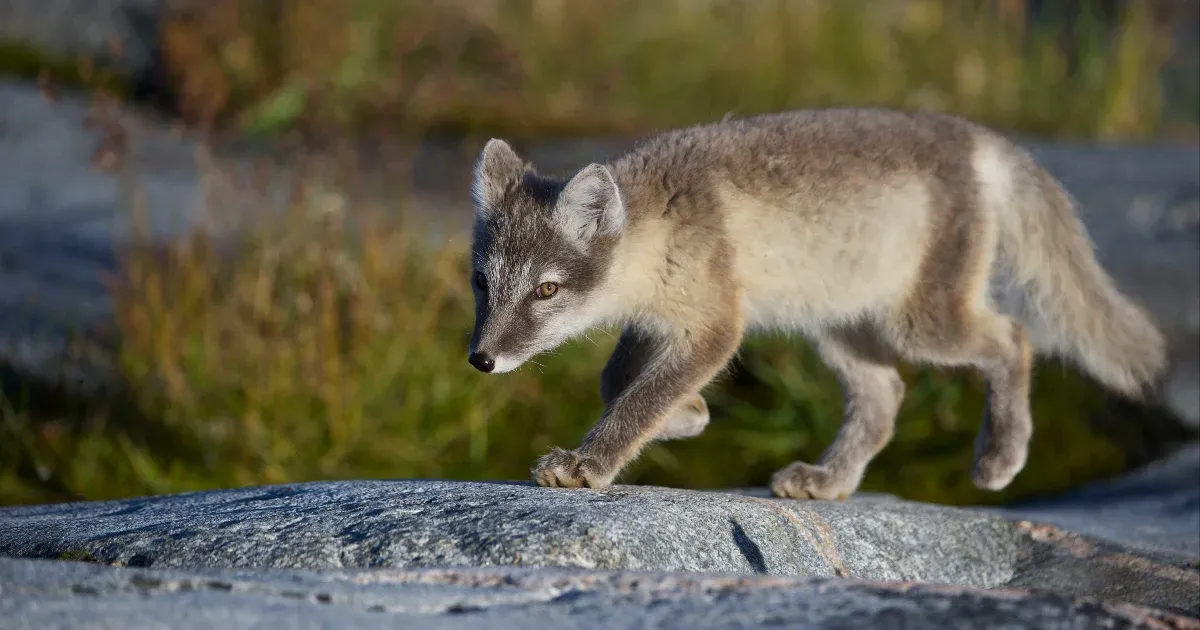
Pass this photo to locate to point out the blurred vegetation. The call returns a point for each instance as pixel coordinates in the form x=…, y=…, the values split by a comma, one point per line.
x=25, y=60
x=330, y=343
x=533, y=67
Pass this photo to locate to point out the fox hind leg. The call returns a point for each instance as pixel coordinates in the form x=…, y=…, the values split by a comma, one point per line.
x=947, y=323
x=999, y=347
x=873, y=391
x=949, y=320
x=1002, y=445
x=688, y=421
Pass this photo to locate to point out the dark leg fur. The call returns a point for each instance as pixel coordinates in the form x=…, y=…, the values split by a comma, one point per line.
x=648, y=383
x=873, y=391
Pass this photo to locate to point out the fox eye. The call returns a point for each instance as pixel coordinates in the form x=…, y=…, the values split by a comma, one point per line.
x=546, y=290
x=481, y=281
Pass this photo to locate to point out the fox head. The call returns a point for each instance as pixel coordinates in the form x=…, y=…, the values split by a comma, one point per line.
x=541, y=252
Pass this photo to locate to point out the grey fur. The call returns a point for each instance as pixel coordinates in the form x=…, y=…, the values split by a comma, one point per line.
x=880, y=236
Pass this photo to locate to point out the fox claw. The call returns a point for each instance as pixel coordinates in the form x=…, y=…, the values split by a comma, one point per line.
x=806, y=481
x=561, y=468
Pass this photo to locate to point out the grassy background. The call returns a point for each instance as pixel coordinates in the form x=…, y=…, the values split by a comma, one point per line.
x=329, y=345
x=534, y=67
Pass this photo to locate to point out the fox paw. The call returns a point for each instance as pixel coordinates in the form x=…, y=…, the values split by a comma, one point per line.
x=806, y=481
x=994, y=469
x=561, y=468
x=689, y=420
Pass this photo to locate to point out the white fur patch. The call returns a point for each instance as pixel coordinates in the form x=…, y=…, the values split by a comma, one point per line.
x=553, y=274
x=994, y=172
x=812, y=262
x=506, y=364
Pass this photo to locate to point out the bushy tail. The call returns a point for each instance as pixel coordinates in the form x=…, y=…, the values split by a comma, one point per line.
x=1072, y=307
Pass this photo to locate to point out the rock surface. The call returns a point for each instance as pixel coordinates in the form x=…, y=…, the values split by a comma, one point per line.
x=48, y=595
x=1155, y=508
x=117, y=34
x=426, y=524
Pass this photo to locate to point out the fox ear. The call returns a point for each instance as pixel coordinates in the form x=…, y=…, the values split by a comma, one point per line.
x=498, y=168
x=590, y=205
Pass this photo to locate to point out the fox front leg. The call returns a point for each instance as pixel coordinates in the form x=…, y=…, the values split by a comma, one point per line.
x=649, y=385
x=628, y=360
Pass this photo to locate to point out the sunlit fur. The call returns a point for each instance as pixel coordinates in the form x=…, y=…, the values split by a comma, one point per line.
x=879, y=236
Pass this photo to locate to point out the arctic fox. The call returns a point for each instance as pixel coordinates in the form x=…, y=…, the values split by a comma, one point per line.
x=879, y=236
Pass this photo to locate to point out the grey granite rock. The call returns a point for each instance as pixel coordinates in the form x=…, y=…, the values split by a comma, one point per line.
x=1155, y=508
x=48, y=595
x=120, y=34
x=413, y=524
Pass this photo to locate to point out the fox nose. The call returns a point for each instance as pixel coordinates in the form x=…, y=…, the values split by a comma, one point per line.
x=482, y=362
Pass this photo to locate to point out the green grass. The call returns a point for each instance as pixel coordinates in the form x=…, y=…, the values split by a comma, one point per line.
x=328, y=346
x=536, y=67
